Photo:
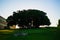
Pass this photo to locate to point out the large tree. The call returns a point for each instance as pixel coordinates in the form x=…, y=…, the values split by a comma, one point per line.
x=30, y=18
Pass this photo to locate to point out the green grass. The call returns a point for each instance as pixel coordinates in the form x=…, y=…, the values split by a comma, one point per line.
x=33, y=34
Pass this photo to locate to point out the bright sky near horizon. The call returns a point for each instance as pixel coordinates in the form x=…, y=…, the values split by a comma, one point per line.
x=51, y=7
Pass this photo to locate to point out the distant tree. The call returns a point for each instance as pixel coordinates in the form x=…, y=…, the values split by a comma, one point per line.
x=58, y=22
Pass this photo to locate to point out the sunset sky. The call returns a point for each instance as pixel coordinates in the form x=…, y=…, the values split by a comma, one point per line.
x=51, y=7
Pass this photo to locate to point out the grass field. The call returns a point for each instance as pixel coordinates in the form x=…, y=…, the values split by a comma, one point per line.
x=32, y=34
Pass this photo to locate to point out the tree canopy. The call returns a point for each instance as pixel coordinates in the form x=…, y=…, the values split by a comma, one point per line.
x=29, y=18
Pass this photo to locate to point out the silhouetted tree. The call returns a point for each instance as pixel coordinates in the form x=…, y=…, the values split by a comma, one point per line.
x=29, y=18
x=58, y=22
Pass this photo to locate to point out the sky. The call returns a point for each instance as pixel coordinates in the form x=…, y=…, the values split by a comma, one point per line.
x=51, y=7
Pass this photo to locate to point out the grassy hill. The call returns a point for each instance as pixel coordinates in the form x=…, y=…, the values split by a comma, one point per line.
x=32, y=34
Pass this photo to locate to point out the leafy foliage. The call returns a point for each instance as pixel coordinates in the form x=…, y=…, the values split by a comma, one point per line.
x=58, y=22
x=28, y=18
